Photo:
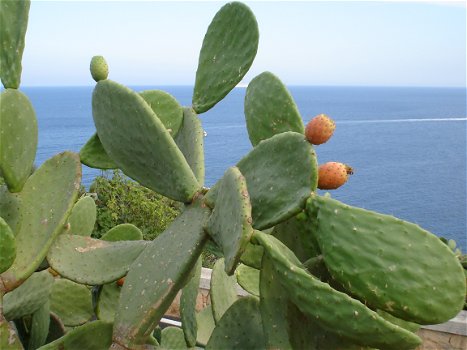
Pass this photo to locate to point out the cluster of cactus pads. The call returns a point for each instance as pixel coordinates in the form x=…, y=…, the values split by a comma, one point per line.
x=319, y=274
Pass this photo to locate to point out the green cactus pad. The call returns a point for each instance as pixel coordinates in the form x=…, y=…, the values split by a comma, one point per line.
x=267, y=170
x=172, y=338
x=99, y=68
x=56, y=329
x=47, y=199
x=270, y=109
x=7, y=246
x=18, y=141
x=167, y=109
x=157, y=275
x=9, y=208
x=107, y=302
x=248, y=279
x=139, y=143
x=123, y=232
x=190, y=140
x=235, y=331
x=9, y=340
x=93, y=261
x=223, y=290
x=96, y=335
x=391, y=264
x=230, y=222
x=410, y=326
x=40, y=323
x=297, y=234
x=83, y=217
x=28, y=297
x=72, y=302
x=188, y=306
x=252, y=256
x=206, y=324
x=94, y=155
x=331, y=308
x=273, y=306
x=13, y=24
x=229, y=48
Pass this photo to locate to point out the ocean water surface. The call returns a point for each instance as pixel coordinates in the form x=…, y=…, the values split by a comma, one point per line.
x=406, y=145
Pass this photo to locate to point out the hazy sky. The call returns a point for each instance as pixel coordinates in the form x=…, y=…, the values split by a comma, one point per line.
x=304, y=43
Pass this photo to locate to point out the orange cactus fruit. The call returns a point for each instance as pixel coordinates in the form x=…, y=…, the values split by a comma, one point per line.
x=319, y=129
x=333, y=175
x=120, y=281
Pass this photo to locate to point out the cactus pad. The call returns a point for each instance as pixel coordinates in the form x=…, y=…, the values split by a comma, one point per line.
x=206, y=324
x=107, y=302
x=389, y=263
x=138, y=142
x=9, y=340
x=166, y=107
x=157, y=275
x=13, y=24
x=123, y=232
x=92, y=261
x=188, y=306
x=230, y=222
x=223, y=290
x=47, y=199
x=9, y=208
x=40, y=323
x=267, y=169
x=83, y=217
x=18, y=141
x=190, y=140
x=270, y=109
x=99, y=68
x=72, y=302
x=248, y=279
x=7, y=246
x=318, y=301
x=229, y=48
x=235, y=331
x=172, y=338
x=94, y=155
x=252, y=256
x=28, y=297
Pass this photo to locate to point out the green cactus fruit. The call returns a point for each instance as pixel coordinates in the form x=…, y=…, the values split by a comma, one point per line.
x=96, y=335
x=7, y=246
x=172, y=338
x=94, y=155
x=138, y=142
x=40, y=323
x=28, y=297
x=235, y=331
x=123, y=232
x=248, y=279
x=190, y=140
x=273, y=306
x=167, y=109
x=223, y=290
x=410, y=273
x=252, y=256
x=107, y=302
x=228, y=50
x=188, y=306
x=267, y=170
x=83, y=217
x=9, y=340
x=297, y=234
x=13, y=25
x=318, y=301
x=206, y=324
x=18, y=141
x=230, y=222
x=270, y=109
x=9, y=208
x=47, y=199
x=72, y=302
x=92, y=261
x=157, y=275
x=99, y=68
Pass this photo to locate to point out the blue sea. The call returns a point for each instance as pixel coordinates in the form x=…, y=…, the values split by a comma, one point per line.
x=407, y=145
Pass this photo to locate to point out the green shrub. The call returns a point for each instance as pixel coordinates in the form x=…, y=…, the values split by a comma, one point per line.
x=121, y=200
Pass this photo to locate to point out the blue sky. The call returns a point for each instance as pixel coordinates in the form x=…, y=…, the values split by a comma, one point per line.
x=304, y=43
